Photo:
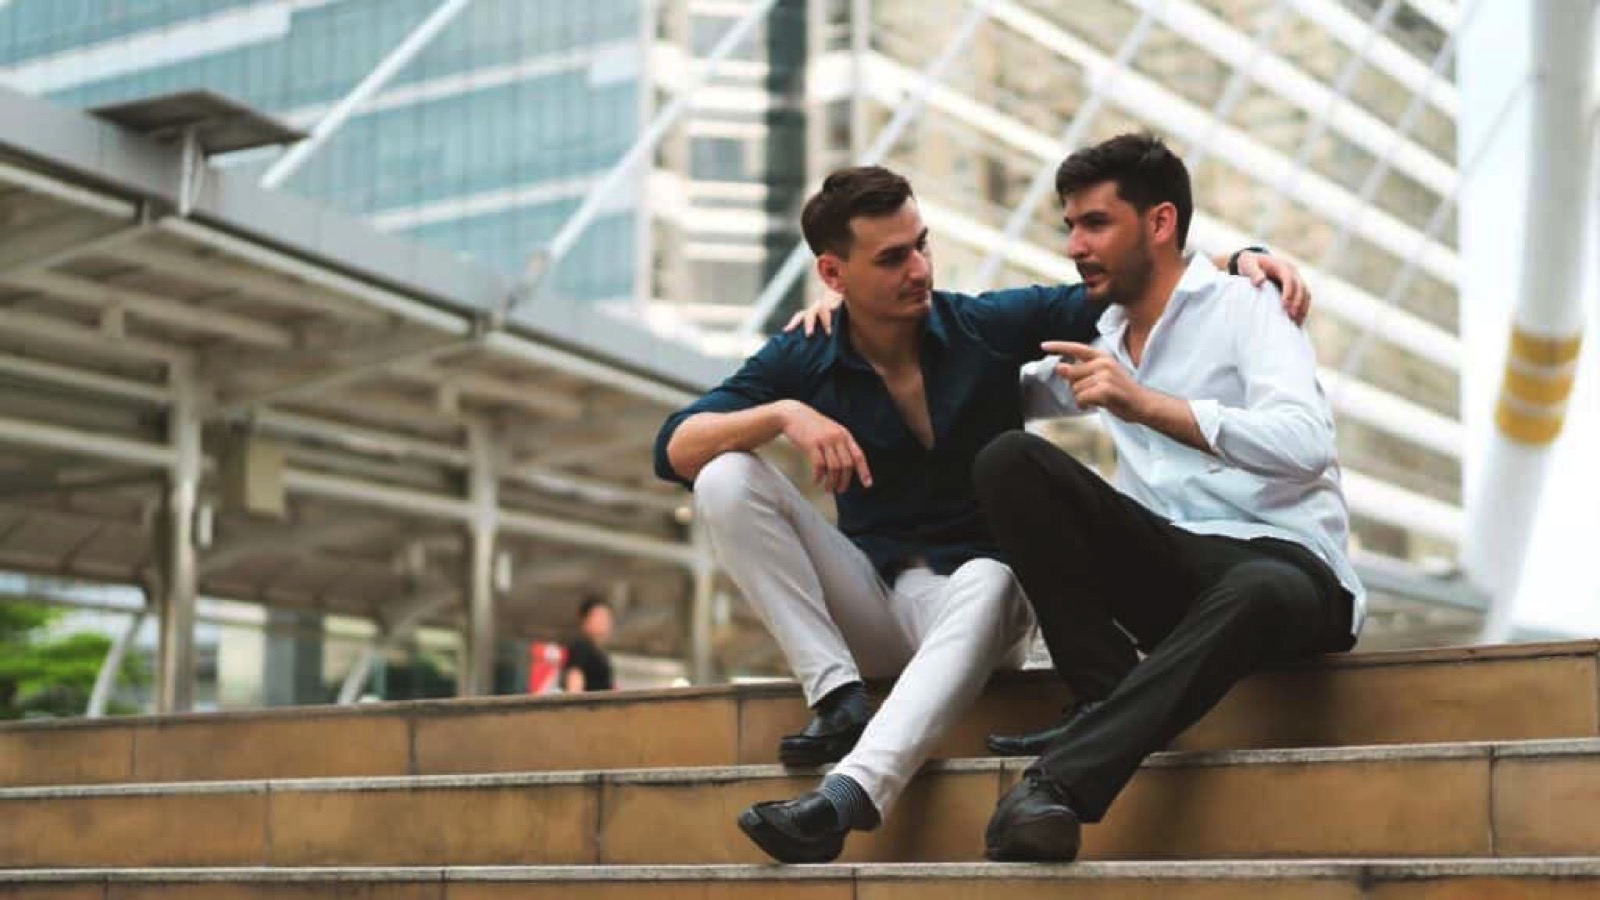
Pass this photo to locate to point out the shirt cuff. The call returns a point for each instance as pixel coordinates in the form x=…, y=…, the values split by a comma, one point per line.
x=1208, y=415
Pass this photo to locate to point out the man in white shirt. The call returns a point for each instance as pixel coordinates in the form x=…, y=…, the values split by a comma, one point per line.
x=1220, y=550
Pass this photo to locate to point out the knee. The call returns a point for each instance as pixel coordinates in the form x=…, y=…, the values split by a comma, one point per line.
x=1016, y=465
x=998, y=599
x=1270, y=593
x=725, y=484
x=1003, y=461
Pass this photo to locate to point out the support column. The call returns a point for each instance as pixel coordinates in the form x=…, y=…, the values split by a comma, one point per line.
x=477, y=675
x=704, y=573
x=175, y=659
x=1547, y=324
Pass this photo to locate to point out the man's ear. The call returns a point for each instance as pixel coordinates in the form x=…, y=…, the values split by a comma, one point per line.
x=1162, y=220
x=830, y=270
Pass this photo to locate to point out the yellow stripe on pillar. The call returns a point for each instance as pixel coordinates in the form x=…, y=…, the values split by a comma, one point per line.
x=1544, y=351
x=1539, y=388
x=1539, y=377
x=1526, y=427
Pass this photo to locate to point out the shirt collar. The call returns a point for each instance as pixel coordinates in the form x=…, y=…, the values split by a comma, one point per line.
x=1199, y=276
x=839, y=348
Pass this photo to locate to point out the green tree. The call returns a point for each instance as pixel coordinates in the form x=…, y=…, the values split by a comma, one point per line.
x=47, y=674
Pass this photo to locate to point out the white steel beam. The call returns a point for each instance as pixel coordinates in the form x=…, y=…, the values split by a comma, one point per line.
x=71, y=440
x=542, y=262
x=397, y=59
x=1317, y=127
x=32, y=249
x=1043, y=182
x=1273, y=73
x=1388, y=57
x=555, y=481
x=303, y=540
x=908, y=105
x=61, y=331
x=154, y=308
x=360, y=440
x=535, y=525
x=1333, y=256
x=1245, y=65
x=86, y=380
x=105, y=683
x=1154, y=103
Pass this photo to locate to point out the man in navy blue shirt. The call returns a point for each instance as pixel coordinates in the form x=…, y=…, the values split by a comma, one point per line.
x=891, y=410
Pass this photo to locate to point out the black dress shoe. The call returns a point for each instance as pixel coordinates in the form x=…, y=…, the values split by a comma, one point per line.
x=1033, y=823
x=830, y=735
x=802, y=830
x=1037, y=742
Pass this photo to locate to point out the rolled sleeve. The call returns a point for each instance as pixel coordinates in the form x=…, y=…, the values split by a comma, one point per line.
x=1208, y=415
x=760, y=380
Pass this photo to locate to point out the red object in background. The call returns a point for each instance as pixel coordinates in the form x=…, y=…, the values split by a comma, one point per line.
x=546, y=659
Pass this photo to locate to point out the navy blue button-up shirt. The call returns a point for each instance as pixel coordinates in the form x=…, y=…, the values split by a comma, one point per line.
x=921, y=508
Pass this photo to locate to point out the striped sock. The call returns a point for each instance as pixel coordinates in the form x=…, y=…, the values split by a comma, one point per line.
x=850, y=802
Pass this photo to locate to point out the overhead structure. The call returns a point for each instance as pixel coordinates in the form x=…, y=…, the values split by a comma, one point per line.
x=152, y=432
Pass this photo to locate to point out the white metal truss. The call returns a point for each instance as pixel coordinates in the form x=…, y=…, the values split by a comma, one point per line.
x=1393, y=60
x=907, y=108
x=397, y=59
x=1249, y=57
x=1152, y=102
x=547, y=258
x=1317, y=127
x=1043, y=181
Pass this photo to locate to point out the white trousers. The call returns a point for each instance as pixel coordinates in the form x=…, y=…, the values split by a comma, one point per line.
x=838, y=622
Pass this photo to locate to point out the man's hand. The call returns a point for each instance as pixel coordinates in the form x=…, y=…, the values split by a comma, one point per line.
x=817, y=314
x=1099, y=381
x=835, y=456
x=1259, y=268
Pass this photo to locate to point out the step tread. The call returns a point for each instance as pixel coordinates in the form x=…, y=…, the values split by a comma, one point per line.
x=709, y=775
x=1267, y=869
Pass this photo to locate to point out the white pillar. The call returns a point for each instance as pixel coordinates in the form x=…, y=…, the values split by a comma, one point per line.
x=1547, y=324
x=175, y=659
x=477, y=675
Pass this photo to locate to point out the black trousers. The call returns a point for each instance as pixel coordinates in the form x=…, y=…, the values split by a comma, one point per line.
x=1109, y=579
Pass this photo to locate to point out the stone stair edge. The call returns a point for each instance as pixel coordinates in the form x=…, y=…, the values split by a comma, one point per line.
x=446, y=707
x=1253, y=869
x=709, y=775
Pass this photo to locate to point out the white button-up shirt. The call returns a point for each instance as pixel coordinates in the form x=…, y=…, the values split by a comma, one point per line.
x=1250, y=377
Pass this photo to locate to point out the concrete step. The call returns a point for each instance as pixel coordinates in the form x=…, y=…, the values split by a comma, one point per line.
x=1430, y=879
x=1532, y=691
x=1440, y=800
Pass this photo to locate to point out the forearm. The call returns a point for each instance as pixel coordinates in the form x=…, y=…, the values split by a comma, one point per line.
x=1173, y=417
x=705, y=436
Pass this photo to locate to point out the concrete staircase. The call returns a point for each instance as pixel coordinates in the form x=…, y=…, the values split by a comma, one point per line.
x=1434, y=774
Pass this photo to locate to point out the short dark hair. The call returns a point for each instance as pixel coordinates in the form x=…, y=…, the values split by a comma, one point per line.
x=845, y=195
x=1146, y=172
x=590, y=604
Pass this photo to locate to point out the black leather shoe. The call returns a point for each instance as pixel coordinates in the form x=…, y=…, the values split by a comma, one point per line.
x=1033, y=823
x=802, y=830
x=829, y=736
x=1036, y=742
